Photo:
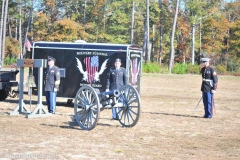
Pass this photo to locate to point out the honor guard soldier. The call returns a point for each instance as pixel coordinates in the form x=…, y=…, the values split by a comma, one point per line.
x=208, y=88
x=52, y=83
x=116, y=78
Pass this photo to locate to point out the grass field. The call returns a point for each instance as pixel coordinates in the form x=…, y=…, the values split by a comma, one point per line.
x=167, y=129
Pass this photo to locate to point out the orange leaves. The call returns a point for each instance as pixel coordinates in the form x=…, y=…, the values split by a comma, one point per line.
x=51, y=3
x=68, y=30
x=11, y=48
x=67, y=24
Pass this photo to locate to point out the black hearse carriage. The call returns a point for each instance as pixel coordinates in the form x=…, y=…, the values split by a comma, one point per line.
x=84, y=68
x=88, y=63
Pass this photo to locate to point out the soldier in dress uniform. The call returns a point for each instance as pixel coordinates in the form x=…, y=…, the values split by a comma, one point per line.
x=208, y=88
x=52, y=83
x=116, y=78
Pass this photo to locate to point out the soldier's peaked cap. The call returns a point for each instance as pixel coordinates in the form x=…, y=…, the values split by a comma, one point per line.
x=118, y=60
x=205, y=59
x=51, y=58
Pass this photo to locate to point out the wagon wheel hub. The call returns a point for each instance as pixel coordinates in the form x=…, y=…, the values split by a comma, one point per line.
x=124, y=106
x=86, y=107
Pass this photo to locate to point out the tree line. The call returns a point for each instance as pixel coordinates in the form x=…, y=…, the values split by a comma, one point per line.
x=202, y=28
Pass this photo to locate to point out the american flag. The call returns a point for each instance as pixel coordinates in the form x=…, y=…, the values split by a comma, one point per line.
x=134, y=71
x=27, y=44
x=92, y=64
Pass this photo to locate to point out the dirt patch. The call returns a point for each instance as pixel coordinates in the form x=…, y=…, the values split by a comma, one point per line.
x=167, y=129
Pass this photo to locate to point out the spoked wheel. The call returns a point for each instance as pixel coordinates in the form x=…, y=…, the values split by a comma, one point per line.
x=86, y=108
x=130, y=111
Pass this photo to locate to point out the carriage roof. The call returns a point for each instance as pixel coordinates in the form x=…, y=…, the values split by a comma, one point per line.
x=85, y=46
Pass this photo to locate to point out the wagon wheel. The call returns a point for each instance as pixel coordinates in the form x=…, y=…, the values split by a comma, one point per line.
x=131, y=109
x=86, y=108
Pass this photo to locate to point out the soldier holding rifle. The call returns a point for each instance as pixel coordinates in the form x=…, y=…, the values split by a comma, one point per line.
x=208, y=88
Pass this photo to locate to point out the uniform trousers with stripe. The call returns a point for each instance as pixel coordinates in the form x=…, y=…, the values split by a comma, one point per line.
x=208, y=104
x=51, y=101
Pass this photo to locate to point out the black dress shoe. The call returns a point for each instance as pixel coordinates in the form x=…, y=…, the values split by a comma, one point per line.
x=114, y=119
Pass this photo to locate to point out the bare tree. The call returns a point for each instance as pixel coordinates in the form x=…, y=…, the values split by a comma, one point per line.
x=5, y=13
x=146, y=35
x=161, y=31
x=9, y=27
x=16, y=30
x=20, y=30
x=172, y=54
x=3, y=2
x=132, y=24
x=147, y=27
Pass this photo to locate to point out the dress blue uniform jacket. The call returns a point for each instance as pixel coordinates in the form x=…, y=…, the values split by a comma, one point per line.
x=116, y=79
x=209, y=82
x=210, y=79
x=52, y=78
x=52, y=82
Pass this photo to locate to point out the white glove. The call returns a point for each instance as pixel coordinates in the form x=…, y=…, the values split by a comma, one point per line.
x=55, y=89
x=107, y=90
x=213, y=91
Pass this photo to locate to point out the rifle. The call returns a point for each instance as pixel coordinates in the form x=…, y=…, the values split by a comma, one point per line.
x=197, y=105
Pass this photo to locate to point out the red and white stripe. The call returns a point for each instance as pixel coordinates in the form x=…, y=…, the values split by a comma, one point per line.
x=90, y=70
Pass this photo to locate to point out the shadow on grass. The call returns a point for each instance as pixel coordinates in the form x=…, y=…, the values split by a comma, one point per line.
x=4, y=113
x=178, y=115
x=73, y=125
x=11, y=101
x=35, y=102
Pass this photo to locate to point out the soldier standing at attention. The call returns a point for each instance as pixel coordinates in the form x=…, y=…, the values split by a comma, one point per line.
x=116, y=78
x=52, y=83
x=208, y=88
